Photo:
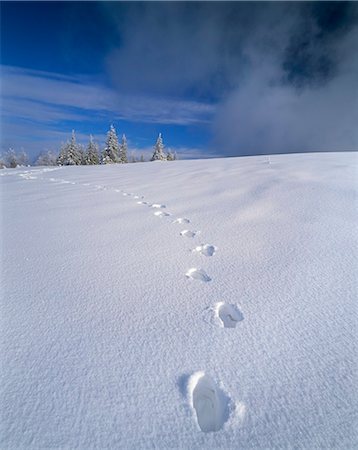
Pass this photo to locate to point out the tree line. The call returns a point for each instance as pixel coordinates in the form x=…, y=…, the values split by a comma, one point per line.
x=74, y=154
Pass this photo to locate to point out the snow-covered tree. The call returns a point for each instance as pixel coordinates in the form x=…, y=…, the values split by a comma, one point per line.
x=142, y=158
x=82, y=154
x=110, y=153
x=70, y=154
x=11, y=158
x=123, y=150
x=170, y=156
x=46, y=159
x=159, y=154
x=22, y=158
x=92, y=154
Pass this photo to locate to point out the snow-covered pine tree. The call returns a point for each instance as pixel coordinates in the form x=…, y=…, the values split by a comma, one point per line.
x=142, y=158
x=92, y=154
x=46, y=159
x=11, y=159
x=123, y=150
x=82, y=154
x=70, y=154
x=22, y=158
x=110, y=153
x=170, y=156
x=159, y=154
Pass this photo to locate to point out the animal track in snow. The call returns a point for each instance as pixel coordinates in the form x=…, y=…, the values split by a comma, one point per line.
x=228, y=314
x=188, y=233
x=181, y=220
x=157, y=205
x=211, y=404
x=205, y=249
x=27, y=176
x=142, y=203
x=198, y=274
x=161, y=214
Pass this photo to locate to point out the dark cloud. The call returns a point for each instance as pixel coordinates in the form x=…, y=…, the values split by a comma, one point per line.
x=311, y=57
x=283, y=74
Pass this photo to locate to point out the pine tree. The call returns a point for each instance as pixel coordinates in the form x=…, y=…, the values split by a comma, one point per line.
x=123, y=148
x=92, y=154
x=46, y=159
x=170, y=156
x=159, y=154
x=110, y=154
x=70, y=154
x=22, y=158
x=142, y=158
x=11, y=158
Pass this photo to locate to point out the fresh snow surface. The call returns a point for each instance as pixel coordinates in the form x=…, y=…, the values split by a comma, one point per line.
x=190, y=304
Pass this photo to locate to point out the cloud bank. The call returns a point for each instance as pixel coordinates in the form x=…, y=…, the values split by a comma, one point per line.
x=283, y=75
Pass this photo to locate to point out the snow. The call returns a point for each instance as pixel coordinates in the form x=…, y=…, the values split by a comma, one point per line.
x=114, y=337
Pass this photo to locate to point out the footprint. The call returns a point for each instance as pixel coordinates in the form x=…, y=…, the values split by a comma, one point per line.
x=198, y=274
x=161, y=214
x=142, y=203
x=188, y=233
x=228, y=314
x=205, y=249
x=125, y=194
x=181, y=220
x=211, y=404
x=157, y=205
x=117, y=190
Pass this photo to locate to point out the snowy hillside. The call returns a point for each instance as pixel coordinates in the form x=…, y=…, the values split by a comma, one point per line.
x=190, y=304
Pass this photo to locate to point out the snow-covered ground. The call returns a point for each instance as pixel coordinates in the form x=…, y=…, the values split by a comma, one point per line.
x=191, y=304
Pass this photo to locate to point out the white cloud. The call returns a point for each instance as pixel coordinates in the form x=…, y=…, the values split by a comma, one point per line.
x=48, y=97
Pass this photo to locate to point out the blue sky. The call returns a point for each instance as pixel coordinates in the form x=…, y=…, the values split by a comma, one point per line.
x=217, y=79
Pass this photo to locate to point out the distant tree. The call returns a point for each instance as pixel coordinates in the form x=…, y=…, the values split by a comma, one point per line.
x=92, y=153
x=110, y=153
x=46, y=159
x=142, y=158
x=170, y=156
x=123, y=148
x=2, y=162
x=11, y=158
x=175, y=156
x=82, y=154
x=70, y=154
x=159, y=154
x=22, y=158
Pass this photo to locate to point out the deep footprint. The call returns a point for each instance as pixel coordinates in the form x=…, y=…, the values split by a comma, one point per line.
x=229, y=315
x=161, y=214
x=209, y=402
x=157, y=205
x=205, y=249
x=198, y=274
x=181, y=220
x=188, y=233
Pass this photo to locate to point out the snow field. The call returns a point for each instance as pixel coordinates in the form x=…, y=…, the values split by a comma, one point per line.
x=241, y=334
